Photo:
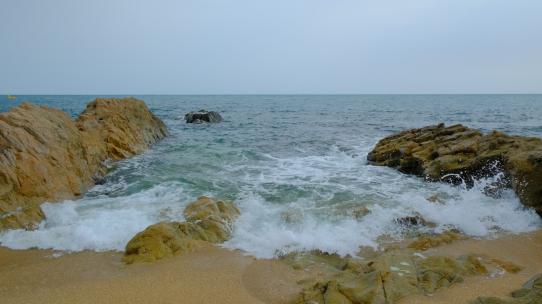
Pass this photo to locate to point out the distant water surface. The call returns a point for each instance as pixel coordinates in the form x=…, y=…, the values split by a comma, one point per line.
x=296, y=166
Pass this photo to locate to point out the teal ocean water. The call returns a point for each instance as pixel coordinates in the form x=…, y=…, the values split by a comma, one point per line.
x=295, y=165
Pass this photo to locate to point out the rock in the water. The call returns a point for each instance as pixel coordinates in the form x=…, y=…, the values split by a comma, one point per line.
x=46, y=156
x=207, y=220
x=458, y=154
x=125, y=126
x=202, y=116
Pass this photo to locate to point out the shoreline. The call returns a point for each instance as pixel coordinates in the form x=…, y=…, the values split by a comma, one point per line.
x=212, y=274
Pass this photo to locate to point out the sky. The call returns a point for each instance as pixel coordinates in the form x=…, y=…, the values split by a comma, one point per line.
x=270, y=47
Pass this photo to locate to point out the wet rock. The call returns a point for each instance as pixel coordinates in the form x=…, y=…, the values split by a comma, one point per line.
x=436, y=272
x=435, y=199
x=46, y=156
x=163, y=240
x=429, y=241
x=359, y=213
x=26, y=218
x=458, y=154
x=207, y=220
x=507, y=266
x=530, y=293
x=384, y=278
x=215, y=217
x=413, y=221
x=202, y=116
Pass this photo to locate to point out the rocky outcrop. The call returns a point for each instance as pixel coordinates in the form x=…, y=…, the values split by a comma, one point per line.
x=386, y=277
x=206, y=220
x=530, y=293
x=46, y=156
x=458, y=154
x=125, y=127
x=202, y=116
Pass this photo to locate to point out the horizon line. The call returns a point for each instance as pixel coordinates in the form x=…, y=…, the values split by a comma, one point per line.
x=251, y=94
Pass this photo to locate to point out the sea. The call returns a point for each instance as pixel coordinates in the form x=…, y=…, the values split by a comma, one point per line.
x=295, y=165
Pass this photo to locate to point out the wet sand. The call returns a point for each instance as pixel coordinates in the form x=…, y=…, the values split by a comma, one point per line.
x=215, y=275
x=210, y=275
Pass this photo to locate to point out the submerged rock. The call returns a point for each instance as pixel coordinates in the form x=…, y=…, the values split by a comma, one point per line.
x=207, y=220
x=46, y=156
x=458, y=154
x=202, y=116
x=530, y=293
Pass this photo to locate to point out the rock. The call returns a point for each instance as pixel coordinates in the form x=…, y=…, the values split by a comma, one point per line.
x=458, y=154
x=126, y=126
x=46, y=156
x=435, y=199
x=415, y=220
x=429, y=241
x=207, y=220
x=386, y=277
x=530, y=293
x=360, y=212
x=163, y=240
x=202, y=116
x=507, y=266
x=436, y=272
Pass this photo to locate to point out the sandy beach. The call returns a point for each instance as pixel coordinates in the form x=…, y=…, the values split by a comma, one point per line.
x=216, y=275
x=210, y=275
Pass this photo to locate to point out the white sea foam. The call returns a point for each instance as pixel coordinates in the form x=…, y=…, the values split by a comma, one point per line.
x=98, y=223
x=300, y=202
x=263, y=232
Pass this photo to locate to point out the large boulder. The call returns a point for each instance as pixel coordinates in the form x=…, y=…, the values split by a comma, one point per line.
x=459, y=154
x=202, y=116
x=125, y=127
x=46, y=156
x=207, y=220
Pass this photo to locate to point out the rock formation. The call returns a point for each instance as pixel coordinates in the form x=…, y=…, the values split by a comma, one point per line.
x=384, y=278
x=458, y=154
x=202, y=116
x=530, y=293
x=206, y=220
x=46, y=156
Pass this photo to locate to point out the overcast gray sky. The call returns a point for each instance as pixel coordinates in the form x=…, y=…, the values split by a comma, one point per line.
x=274, y=46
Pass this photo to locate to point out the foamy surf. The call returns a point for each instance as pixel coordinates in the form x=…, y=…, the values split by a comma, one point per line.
x=297, y=173
x=99, y=223
x=268, y=230
x=287, y=204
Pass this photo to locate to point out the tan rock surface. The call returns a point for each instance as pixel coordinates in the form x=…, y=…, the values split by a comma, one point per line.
x=207, y=220
x=457, y=153
x=46, y=156
x=389, y=276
